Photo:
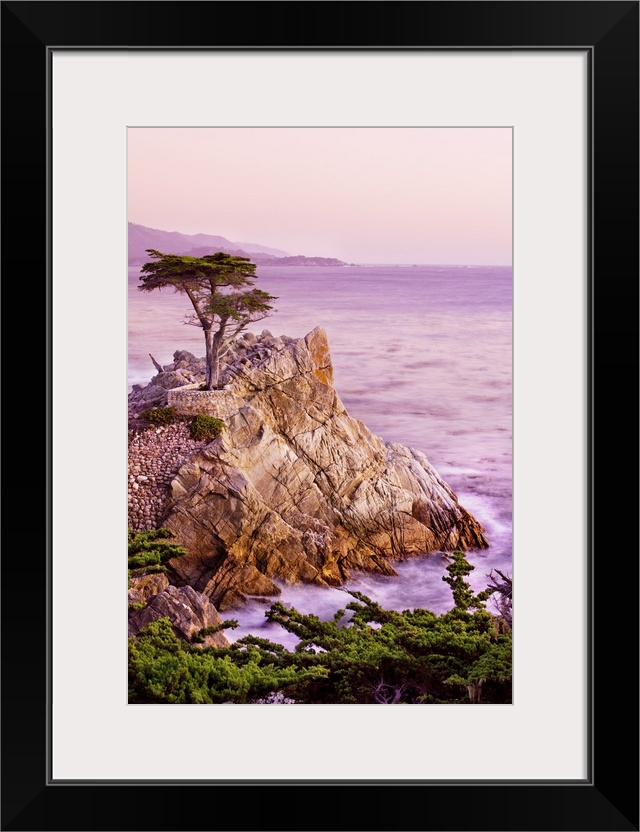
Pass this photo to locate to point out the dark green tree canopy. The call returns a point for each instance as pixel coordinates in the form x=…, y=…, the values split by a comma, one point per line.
x=220, y=289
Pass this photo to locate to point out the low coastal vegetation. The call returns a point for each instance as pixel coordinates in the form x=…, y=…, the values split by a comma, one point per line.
x=201, y=426
x=205, y=427
x=149, y=551
x=160, y=415
x=364, y=655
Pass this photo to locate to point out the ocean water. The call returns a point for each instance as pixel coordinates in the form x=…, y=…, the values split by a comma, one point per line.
x=422, y=355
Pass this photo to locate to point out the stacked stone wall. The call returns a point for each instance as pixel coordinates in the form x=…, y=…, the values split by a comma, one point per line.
x=190, y=402
x=155, y=456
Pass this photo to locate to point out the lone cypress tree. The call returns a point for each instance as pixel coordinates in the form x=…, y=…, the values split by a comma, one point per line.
x=218, y=286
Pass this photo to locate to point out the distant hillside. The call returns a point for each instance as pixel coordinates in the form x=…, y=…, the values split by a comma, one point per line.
x=252, y=248
x=142, y=238
x=174, y=242
x=300, y=260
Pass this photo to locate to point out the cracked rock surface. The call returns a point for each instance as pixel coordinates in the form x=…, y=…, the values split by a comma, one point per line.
x=189, y=612
x=295, y=489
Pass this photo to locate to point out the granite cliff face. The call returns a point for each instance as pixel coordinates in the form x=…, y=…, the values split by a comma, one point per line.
x=295, y=489
x=189, y=612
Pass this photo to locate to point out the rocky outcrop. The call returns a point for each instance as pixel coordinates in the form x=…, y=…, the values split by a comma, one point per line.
x=189, y=612
x=222, y=577
x=144, y=588
x=296, y=490
x=184, y=369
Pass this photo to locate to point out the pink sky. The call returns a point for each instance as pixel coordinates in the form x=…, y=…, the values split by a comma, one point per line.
x=364, y=195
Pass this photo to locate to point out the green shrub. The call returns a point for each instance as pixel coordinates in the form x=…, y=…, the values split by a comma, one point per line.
x=137, y=605
x=160, y=415
x=163, y=669
x=205, y=427
x=151, y=549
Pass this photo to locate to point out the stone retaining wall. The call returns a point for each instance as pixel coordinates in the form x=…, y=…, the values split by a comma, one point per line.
x=189, y=401
x=155, y=456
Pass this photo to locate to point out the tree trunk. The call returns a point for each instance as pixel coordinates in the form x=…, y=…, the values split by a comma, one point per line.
x=213, y=359
x=475, y=690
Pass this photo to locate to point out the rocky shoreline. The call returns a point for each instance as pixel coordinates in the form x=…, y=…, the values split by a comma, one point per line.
x=293, y=490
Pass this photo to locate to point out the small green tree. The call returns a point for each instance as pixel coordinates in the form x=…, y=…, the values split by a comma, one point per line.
x=218, y=286
x=463, y=596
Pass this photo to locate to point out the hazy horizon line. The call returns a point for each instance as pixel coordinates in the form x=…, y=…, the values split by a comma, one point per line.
x=360, y=263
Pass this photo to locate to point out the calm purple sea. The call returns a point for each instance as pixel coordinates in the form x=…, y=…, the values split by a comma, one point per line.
x=422, y=355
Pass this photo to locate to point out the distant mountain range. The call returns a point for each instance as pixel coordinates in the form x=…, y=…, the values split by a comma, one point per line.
x=142, y=238
x=252, y=248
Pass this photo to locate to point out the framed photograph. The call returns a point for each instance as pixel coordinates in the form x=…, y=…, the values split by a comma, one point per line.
x=313, y=154
x=276, y=453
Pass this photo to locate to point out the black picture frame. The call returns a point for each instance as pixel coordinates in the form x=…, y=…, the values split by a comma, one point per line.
x=608, y=798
